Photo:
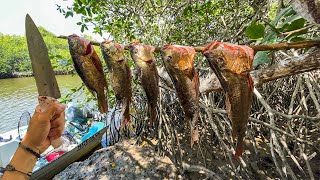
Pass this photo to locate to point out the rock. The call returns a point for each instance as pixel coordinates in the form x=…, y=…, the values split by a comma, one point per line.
x=125, y=160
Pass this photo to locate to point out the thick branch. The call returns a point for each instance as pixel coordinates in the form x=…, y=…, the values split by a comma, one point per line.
x=265, y=47
x=302, y=64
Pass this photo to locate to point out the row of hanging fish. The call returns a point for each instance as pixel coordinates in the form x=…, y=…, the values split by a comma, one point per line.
x=230, y=63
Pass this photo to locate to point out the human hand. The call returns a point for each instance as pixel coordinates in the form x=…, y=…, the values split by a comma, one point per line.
x=45, y=125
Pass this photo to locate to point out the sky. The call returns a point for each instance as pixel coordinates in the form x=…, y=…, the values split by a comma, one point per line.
x=43, y=12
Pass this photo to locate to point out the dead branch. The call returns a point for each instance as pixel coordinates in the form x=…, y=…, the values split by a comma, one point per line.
x=302, y=64
x=274, y=144
x=200, y=169
x=222, y=111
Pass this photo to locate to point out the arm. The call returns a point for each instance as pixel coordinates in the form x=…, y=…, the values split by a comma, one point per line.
x=43, y=125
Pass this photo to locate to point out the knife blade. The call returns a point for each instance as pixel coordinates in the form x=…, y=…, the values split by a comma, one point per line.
x=42, y=69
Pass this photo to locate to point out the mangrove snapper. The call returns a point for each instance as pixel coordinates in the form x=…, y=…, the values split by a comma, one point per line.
x=120, y=76
x=143, y=57
x=232, y=65
x=178, y=61
x=88, y=65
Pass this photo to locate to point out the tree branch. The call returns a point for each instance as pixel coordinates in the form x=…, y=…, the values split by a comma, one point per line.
x=201, y=169
x=303, y=64
x=306, y=63
x=265, y=47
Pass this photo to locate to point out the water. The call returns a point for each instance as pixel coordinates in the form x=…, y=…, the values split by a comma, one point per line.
x=18, y=95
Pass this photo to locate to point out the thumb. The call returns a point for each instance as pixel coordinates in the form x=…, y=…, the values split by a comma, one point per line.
x=53, y=109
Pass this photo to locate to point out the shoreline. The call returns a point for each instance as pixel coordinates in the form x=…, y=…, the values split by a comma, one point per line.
x=30, y=74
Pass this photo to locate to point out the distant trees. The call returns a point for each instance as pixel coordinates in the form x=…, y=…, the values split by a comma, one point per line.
x=14, y=56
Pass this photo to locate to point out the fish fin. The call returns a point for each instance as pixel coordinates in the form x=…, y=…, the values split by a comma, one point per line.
x=239, y=148
x=194, y=129
x=196, y=81
x=96, y=61
x=153, y=113
x=129, y=74
x=125, y=115
x=239, y=151
x=251, y=83
x=102, y=102
x=194, y=136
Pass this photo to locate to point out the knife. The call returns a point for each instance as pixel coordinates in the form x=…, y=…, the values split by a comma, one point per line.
x=46, y=82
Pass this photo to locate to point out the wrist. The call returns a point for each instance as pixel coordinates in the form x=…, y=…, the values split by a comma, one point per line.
x=23, y=160
x=27, y=142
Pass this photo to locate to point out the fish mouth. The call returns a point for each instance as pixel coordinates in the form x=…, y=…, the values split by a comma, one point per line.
x=120, y=61
x=149, y=61
x=88, y=49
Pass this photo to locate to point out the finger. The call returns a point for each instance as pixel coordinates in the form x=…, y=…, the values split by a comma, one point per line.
x=58, y=121
x=53, y=109
x=57, y=126
x=56, y=132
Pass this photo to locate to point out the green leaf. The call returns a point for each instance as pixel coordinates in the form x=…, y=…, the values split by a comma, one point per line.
x=288, y=21
x=284, y=12
x=69, y=13
x=79, y=23
x=89, y=12
x=270, y=37
x=260, y=58
x=82, y=28
x=296, y=24
x=297, y=39
x=187, y=10
x=255, y=31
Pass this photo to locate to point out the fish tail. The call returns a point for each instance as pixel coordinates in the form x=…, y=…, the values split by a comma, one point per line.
x=239, y=148
x=194, y=129
x=153, y=113
x=102, y=102
x=194, y=136
x=125, y=114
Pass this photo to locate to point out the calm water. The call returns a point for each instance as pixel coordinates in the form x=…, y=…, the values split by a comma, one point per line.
x=18, y=95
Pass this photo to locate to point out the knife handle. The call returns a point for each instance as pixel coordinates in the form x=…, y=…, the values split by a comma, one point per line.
x=44, y=101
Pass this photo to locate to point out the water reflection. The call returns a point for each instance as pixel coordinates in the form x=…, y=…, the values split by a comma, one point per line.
x=18, y=95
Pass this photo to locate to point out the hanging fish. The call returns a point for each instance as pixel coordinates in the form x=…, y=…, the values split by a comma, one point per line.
x=232, y=64
x=120, y=76
x=88, y=65
x=178, y=61
x=143, y=57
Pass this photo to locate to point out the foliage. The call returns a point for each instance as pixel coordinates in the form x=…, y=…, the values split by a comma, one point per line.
x=166, y=21
x=13, y=51
x=14, y=56
x=191, y=22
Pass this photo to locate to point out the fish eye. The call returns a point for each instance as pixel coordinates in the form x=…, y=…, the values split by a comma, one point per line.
x=220, y=60
x=135, y=51
x=169, y=58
